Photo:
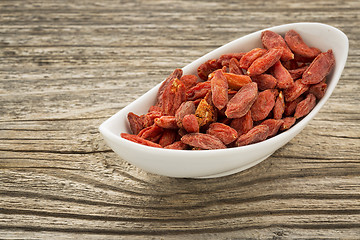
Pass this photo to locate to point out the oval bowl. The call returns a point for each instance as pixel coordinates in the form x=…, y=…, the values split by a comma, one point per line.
x=222, y=162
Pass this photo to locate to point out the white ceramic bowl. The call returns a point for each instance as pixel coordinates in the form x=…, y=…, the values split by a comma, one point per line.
x=216, y=163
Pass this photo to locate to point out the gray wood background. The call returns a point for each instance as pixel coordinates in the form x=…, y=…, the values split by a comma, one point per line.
x=66, y=66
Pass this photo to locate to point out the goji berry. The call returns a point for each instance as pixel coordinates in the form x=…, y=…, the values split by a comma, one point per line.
x=203, y=141
x=271, y=39
x=223, y=132
x=319, y=68
x=241, y=103
x=263, y=63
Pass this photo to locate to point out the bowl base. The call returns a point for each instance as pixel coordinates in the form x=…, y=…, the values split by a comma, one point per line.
x=233, y=171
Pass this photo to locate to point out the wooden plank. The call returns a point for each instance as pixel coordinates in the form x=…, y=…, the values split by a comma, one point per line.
x=67, y=66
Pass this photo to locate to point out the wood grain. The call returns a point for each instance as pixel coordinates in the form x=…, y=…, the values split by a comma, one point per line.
x=67, y=66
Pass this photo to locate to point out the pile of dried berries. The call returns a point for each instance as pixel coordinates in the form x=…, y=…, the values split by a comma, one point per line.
x=237, y=99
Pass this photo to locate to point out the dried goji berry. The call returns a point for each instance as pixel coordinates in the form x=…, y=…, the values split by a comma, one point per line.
x=208, y=67
x=219, y=89
x=177, y=73
x=137, y=139
x=198, y=91
x=168, y=137
x=283, y=77
x=178, y=145
x=318, y=89
x=298, y=72
x=236, y=81
x=136, y=122
x=189, y=81
x=305, y=106
x=263, y=63
x=271, y=39
x=190, y=123
x=264, y=81
x=250, y=57
x=279, y=107
x=174, y=94
x=295, y=90
x=287, y=123
x=274, y=126
x=241, y=103
x=298, y=46
x=319, y=68
x=234, y=67
x=291, y=106
x=256, y=134
x=263, y=105
x=148, y=118
x=152, y=133
x=203, y=141
x=205, y=113
x=168, y=122
x=225, y=59
x=242, y=125
x=223, y=132
x=185, y=108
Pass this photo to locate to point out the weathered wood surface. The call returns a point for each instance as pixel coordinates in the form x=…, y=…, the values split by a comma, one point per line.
x=66, y=66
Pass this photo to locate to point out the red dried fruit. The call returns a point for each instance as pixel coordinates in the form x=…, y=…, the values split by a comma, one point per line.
x=198, y=91
x=225, y=59
x=256, y=134
x=137, y=139
x=291, y=106
x=298, y=72
x=189, y=81
x=203, y=141
x=223, y=132
x=242, y=101
x=264, y=81
x=168, y=122
x=271, y=39
x=154, y=108
x=319, y=68
x=190, y=123
x=168, y=137
x=242, y=125
x=291, y=64
x=177, y=73
x=174, y=94
x=234, y=67
x=152, y=133
x=298, y=46
x=178, y=145
x=148, y=118
x=283, y=77
x=279, y=107
x=219, y=89
x=274, y=126
x=236, y=81
x=287, y=123
x=263, y=105
x=208, y=67
x=318, y=89
x=136, y=122
x=263, y=63
x=205, y=113
x=295, y=90
x=185, y=108
x=250, y=57
x=305, y=106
